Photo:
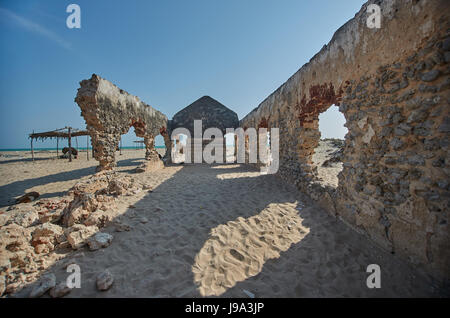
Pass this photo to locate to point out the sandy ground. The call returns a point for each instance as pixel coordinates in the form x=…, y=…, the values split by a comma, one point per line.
x=327, y=175
x=50, y=176
x=217, y=230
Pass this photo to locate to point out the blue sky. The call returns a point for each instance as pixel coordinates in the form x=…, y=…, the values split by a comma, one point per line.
x=169, y=53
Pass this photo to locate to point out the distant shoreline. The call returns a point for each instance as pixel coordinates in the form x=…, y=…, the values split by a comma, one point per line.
x=79, y=148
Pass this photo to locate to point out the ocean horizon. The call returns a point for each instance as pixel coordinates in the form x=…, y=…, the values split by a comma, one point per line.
x=79, y=148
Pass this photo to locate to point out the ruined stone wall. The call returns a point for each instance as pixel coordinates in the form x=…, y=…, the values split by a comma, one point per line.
x=392, y=84
x=109, y=112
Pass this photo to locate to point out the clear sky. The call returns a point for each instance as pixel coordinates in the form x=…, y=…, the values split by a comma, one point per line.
x=168, y=53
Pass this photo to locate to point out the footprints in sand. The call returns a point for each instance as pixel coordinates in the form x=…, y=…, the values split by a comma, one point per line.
x=238, y=250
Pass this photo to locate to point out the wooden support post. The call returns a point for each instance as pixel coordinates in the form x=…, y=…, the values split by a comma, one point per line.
x=57, y=147
x=87, y=148
x=70, y=147
x=76, y=142
x=32, y=150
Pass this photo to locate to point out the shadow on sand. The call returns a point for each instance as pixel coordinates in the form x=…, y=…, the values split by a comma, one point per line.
x=156, y=258
x=19, y=188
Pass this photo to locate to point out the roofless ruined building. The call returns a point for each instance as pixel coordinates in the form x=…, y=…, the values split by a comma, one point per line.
x=393, y=88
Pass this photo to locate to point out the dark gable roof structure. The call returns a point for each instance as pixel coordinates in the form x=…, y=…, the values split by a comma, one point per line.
x=212, y=113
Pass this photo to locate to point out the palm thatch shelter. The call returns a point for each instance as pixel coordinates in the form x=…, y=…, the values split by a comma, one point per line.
x=139, y=144
x=66, y=132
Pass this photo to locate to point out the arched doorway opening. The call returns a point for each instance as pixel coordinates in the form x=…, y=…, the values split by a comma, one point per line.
x=328, y=154
x=160, y=146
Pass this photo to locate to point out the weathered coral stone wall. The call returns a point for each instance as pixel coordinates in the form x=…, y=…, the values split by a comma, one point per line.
x=110, y=112
x=392, y=84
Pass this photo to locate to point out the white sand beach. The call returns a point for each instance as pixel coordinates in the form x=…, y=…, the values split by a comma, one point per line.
x=211, y=230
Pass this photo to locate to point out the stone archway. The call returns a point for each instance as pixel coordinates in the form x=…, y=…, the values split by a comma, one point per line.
x=109, y=112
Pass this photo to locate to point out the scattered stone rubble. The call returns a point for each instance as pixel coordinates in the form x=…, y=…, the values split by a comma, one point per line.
x=60, y=290
x=31, y=232
x=46, y=283
x=99, y=240
x=336, y=155
x=28, y=197
x=105, y=280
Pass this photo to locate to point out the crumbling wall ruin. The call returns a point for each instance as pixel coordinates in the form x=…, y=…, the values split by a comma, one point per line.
x=109, y=112
x=392, y=84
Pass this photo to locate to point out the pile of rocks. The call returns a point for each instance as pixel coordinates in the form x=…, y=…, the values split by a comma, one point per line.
x=335, y=157
x=47, y=283
x=31, y=232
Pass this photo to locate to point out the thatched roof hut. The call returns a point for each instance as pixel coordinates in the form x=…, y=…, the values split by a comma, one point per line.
x=66, y=132
x=58, y=134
